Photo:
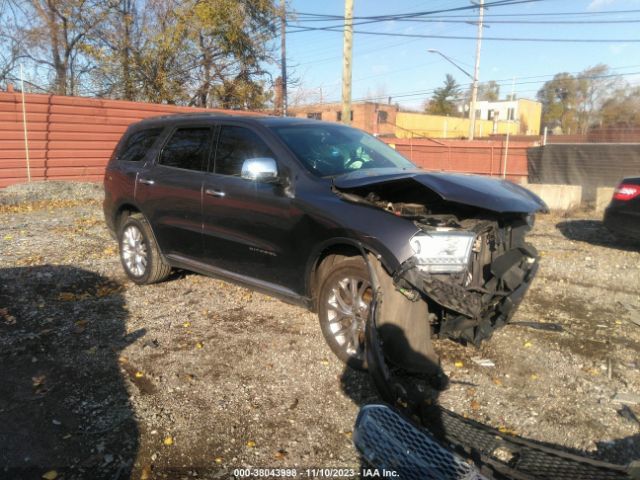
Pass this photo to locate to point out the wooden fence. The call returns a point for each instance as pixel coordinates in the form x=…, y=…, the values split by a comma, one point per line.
x=482, y=157
x=72, y=138
x=69, y=138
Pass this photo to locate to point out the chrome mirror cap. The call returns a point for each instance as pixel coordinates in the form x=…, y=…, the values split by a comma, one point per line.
x=261, y=169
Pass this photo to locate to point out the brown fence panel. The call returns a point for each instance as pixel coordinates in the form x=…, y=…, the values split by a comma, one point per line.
x=69, y=138
x=491, y=158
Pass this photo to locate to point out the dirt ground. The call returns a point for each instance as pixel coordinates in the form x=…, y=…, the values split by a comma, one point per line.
x=195, y=377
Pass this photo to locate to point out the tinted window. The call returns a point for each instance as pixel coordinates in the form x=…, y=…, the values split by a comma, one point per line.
x=187, y=148
x=138, y=144
x=237, y=144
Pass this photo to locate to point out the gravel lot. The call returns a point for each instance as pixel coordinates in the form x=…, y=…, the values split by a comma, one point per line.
x=196, y=376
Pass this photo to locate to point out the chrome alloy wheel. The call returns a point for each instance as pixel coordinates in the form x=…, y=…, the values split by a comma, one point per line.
x=134, y=251
x=347, y=310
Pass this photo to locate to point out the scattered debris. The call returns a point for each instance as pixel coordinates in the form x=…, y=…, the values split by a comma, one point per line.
x=626, y=413
x=548, y=327
x=483, y=362
x=627, y=398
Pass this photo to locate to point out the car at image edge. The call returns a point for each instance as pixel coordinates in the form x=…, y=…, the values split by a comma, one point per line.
x=622, y=216
x=289, y=207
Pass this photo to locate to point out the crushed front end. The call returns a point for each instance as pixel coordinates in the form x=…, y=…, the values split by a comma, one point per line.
x=476, y=277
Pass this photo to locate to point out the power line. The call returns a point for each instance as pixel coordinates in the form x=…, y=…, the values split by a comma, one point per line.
x=501, y=83
x=385, y=18
x=466, y=37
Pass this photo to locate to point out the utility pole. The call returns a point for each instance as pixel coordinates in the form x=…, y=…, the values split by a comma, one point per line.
x=283, y=53
x=476, y=72
x=346, y=62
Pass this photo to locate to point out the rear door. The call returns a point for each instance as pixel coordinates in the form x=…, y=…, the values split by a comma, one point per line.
x=170, y=190
x=247, y=225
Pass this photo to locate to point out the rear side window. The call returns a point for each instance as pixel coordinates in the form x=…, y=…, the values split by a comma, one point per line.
x=235, y=145
x=188, y=148
x=138, y=144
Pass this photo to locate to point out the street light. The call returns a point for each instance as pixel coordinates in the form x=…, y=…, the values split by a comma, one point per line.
x=474, y=88
x=433, y=50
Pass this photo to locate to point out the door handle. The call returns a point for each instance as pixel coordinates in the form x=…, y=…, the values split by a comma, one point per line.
x=214, y=192
x=146, y=181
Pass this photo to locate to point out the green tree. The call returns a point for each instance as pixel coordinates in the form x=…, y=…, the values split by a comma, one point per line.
x=622, y=108
x=559, y=98
x=574, y=102
x=445, y=99
x=489, y=91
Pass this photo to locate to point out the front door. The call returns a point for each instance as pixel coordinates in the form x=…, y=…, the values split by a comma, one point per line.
x=170, y=191
x=248, y=225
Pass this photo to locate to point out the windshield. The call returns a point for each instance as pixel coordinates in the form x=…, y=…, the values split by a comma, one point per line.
x=330, y=150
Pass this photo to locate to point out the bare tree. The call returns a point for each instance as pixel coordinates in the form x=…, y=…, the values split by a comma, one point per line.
x=57, y=34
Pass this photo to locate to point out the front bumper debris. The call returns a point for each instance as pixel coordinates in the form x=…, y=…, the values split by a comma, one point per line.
x=390, y=442
x=417, y=438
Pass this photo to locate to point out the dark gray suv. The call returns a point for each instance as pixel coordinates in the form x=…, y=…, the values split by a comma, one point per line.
x=290, y=207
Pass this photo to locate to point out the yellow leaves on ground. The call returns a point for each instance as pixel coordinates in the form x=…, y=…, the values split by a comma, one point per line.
x=459, y=364
x=506, y=430
x=527, y=344
x=199, y=345
x=218, y=460
x=251, y=444
x=139, y=374
x=47, y=205
x=168, y=441
x=50, y=475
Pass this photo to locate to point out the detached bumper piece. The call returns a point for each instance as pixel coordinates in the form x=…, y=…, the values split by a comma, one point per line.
x=389, y=441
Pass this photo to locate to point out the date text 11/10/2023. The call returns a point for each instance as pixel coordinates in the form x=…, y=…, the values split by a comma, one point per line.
x=313, y=473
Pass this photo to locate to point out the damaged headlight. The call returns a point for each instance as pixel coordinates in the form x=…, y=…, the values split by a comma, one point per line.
x=443, y=251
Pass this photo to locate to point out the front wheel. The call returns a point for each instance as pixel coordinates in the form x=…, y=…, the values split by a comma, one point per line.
x=343, y=307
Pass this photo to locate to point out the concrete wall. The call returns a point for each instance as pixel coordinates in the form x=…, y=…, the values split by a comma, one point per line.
x=558, y=197
x=603, y=197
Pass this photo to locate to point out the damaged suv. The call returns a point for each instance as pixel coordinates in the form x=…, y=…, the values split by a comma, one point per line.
x=289, y=206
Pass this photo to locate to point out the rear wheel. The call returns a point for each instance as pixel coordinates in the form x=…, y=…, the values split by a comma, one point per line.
x=343, y=307
x=139, y=253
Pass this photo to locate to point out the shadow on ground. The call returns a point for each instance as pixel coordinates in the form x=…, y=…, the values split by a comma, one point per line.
x=63, y=402
x=595, y=233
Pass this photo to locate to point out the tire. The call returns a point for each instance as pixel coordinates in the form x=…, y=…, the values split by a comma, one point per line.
x=343, y=306
x=139, y=253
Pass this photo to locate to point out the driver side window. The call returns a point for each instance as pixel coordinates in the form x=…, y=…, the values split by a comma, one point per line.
x=235, y=145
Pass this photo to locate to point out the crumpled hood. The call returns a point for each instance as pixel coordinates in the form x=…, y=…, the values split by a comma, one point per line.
x=483, y=192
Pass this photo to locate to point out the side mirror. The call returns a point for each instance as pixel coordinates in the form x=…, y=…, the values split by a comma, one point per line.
x=261, y=169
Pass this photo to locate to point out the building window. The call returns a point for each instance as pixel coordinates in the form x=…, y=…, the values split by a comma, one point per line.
x=339, y=116
x=383, y=116
x=315, y=115
x=490, y=114
x=511, y=114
